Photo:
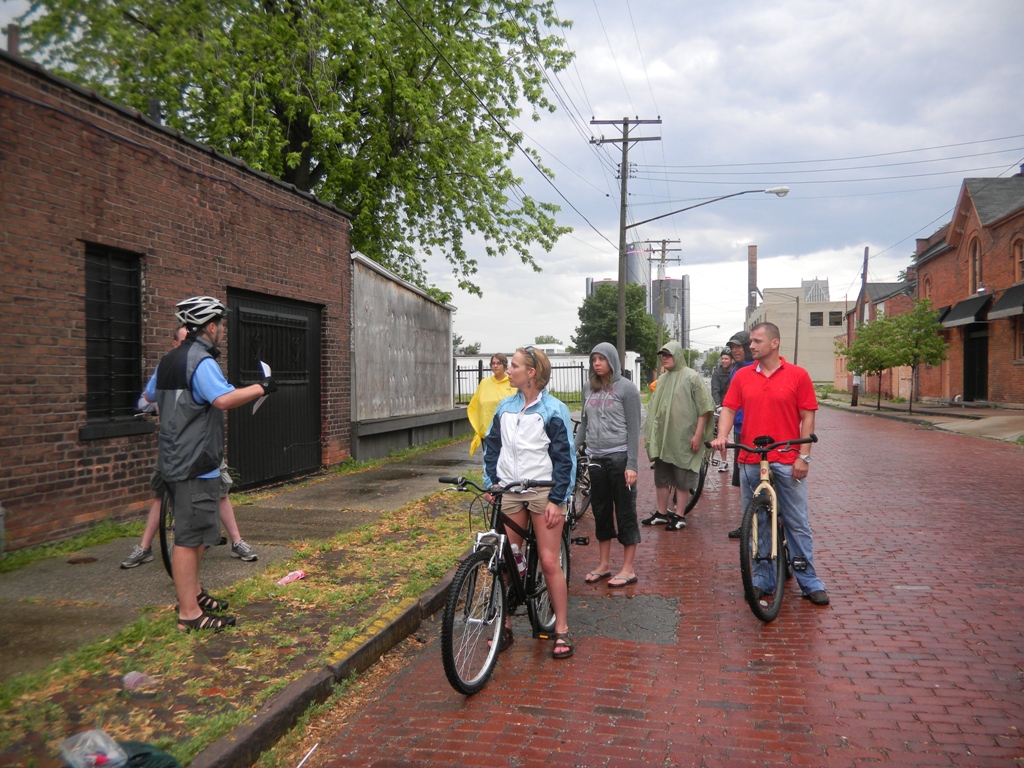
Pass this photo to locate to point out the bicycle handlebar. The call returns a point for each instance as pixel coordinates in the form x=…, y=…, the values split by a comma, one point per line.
x=460, y=484
x=765, y=449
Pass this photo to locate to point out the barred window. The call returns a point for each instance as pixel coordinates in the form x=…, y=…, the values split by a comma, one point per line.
x=113, y=342
x=817, y=318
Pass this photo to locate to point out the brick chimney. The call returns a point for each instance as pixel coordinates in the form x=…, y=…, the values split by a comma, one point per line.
x=12, y=39
x=751, y=279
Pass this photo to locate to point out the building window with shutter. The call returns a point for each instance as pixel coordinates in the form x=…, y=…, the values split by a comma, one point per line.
x=817, y=319
x=113, y=343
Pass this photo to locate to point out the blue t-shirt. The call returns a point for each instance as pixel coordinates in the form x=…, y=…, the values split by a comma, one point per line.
x=208, y=383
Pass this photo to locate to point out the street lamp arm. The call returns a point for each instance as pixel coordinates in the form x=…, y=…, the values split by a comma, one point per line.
x=779, y=191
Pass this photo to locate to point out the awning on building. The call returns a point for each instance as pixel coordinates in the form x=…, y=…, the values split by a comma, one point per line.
x=1010, y=303
x=943, y=311
x=966, y=312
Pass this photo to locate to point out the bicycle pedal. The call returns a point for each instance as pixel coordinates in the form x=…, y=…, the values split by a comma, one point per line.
x=582, y=541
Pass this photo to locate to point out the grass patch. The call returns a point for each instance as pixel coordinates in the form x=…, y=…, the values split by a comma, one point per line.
x=102, y=533
x=209, y=683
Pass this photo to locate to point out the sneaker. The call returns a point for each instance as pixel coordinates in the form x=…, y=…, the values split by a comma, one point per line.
x=675, y=523
x=734, y=534
x=244, y=551
x=137, y=557
x=656, y=519
x=724, y=467
x=818, y=597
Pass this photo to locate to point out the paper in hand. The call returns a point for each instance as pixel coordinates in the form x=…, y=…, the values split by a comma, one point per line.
x=266, y=372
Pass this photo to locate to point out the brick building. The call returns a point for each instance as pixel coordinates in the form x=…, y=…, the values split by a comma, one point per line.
x=107, y=219
x=873, y=301
x=973, y=270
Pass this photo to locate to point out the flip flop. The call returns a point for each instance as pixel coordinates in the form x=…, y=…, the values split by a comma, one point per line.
x=595, y=576
x=622, y=583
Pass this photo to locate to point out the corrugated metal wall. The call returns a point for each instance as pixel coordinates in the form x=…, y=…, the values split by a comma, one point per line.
x=401, y=347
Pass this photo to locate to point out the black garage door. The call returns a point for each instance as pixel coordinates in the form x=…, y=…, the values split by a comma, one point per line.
x=282, y=439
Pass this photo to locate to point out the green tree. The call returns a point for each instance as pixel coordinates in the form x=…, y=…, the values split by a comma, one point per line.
x=546, y=339
x=599, y=322
x=918, y=339
x=872, y=350
x=399, y=112
x=690, y=356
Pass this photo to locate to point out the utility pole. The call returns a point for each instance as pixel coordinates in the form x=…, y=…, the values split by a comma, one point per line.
x=624, y=124
x=661, y=277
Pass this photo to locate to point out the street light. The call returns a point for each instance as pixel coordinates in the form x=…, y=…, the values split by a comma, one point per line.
x=777, y=191
x=623, y=227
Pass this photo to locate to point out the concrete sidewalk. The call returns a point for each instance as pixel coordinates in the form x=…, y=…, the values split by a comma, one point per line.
x=996, y=423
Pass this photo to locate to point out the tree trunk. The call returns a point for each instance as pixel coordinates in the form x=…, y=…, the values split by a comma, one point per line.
x=878, y=405
x=913, y=378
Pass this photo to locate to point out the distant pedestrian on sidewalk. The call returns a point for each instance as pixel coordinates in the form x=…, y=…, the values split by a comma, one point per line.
x=678, y=422
x=610, y=432
x=143, y=551
x=489, y=393
x=720, y=378
x=531, y=439
x=780, y=402
x=739, y=348
x=192, y=395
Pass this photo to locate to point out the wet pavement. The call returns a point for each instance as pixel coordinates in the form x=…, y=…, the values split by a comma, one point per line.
x=918, y=661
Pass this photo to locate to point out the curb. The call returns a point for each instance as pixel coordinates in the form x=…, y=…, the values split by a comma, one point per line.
x=242, y=747
x=880, y=414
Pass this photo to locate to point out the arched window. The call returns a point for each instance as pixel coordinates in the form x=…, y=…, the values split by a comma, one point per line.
x=1017, y=249
x=974, y=266
x=926, y=288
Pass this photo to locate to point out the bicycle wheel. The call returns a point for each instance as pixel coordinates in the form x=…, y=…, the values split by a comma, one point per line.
x=167, y=532
x=538, y=600
x=756, y=559
x=471, y=630
x=580, y=501
x=702, y=476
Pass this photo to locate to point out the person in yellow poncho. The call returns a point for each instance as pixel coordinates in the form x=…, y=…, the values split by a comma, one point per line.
x=489, y=393
x=679, y=420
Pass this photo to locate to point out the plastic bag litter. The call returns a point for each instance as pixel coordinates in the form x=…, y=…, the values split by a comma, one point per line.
x=92, y=749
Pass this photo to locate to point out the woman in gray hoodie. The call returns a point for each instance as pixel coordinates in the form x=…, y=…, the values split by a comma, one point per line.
x=610, y=431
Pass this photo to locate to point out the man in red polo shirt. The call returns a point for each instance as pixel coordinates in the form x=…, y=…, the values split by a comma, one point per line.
x=778, y=400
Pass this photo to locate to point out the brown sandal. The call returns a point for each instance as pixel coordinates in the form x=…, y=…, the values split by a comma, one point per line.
x=564, y=646
x=206, y=621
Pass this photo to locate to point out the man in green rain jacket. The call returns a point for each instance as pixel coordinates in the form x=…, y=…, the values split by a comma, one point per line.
x=679, y=420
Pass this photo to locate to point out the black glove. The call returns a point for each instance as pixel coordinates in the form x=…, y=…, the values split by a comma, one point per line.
x=269, y=385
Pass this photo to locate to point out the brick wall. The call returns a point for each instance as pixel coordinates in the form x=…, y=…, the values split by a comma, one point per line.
x=76, y=169
x=947, y=275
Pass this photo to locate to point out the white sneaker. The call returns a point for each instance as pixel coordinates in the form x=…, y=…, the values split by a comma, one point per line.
x=723, y=467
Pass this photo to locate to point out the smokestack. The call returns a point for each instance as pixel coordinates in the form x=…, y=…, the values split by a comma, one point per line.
x=751, y=279
x=12, y=39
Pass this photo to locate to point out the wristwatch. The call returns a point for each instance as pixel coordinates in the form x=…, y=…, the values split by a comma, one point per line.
x=806, y=457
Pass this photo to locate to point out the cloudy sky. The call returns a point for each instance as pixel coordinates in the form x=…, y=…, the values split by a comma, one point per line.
x=871, y=111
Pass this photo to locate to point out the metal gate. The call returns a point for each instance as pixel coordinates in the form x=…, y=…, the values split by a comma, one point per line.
x=283, y=438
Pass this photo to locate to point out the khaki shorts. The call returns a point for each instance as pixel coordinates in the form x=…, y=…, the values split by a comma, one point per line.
x=670, y=476
x=196, y=521
x=535, y=501
x=156, y=482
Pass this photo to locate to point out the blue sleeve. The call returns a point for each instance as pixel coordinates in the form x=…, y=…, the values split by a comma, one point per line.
x=563, y=458
x=492, y=448
x=208, y=383
x=150, y=389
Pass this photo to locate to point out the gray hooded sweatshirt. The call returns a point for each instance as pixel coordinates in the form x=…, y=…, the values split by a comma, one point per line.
x=611, y=418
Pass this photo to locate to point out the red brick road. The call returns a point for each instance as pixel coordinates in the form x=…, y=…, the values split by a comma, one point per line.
x=918, y=661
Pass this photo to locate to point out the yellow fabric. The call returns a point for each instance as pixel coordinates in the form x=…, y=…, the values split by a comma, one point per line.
x=483, y=405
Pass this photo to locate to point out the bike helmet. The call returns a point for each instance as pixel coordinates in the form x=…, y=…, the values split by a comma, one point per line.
x=198, y=311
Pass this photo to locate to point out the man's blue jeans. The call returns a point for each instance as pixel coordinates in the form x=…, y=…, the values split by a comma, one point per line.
x=793, y=509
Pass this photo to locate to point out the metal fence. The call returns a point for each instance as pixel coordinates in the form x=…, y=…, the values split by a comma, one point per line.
x=566, y=382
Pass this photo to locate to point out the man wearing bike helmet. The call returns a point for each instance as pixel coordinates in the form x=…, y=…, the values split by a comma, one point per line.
x=192, y=395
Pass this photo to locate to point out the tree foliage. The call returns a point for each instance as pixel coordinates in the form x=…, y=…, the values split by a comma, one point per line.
x=909, y=339
x=546, y=339
x=599, y=322
x=918, y=339
x=871, y=351
x=399, y=112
